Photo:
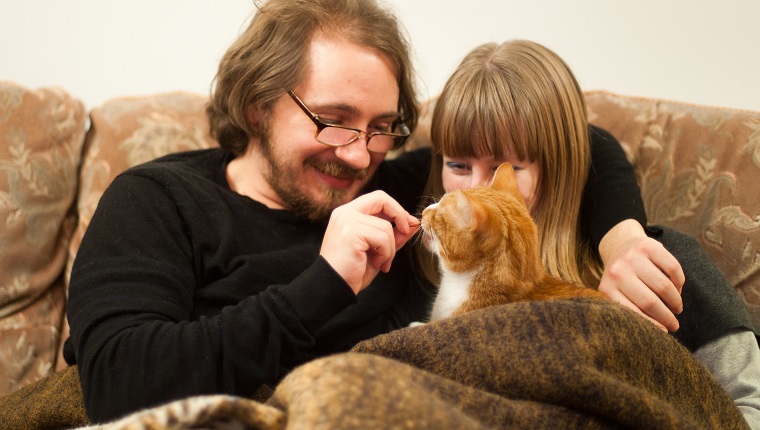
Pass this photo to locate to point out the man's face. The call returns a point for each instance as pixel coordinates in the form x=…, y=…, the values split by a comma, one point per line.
x=348, y=85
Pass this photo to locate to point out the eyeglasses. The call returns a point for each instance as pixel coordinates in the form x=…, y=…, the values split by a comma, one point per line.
x=338, y=135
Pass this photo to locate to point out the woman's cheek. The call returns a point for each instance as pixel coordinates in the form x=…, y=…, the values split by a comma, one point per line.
x=450, y=182
x=527, y=188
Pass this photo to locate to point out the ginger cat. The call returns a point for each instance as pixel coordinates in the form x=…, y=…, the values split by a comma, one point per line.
x=487, y=247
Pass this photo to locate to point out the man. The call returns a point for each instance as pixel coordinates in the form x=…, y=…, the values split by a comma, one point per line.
x=215, y=271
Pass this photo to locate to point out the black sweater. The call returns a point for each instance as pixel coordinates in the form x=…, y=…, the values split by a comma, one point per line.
x=183, y=287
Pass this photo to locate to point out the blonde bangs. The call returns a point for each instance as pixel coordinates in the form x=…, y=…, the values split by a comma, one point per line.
x=476, y=120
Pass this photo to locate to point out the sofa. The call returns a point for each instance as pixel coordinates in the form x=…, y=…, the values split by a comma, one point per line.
x=696, y=165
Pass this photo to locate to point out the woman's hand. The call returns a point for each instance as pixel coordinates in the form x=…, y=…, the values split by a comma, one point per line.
x=360, y=239
x=641, y=274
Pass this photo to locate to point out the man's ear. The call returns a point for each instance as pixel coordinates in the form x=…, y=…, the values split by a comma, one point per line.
x=256, y=116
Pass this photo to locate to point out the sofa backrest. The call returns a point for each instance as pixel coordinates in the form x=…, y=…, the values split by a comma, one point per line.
x=699, y=169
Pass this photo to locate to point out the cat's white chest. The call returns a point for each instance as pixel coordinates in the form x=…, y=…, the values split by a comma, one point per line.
x=452, y=293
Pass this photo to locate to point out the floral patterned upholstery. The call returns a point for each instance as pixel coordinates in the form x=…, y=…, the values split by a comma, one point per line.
x=696, y=165
x=47, y=201
x=41, y=135
x=698, y=168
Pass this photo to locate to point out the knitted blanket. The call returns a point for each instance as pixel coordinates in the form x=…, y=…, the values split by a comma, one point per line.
x=580, y=363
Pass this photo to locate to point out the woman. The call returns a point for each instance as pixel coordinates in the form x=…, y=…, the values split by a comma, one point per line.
x=519, y=102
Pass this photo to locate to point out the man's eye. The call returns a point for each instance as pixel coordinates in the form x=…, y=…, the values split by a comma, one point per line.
x=381, y=128
x=328, y=120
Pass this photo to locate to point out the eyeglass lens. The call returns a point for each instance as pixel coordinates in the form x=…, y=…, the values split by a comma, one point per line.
x=335, y=136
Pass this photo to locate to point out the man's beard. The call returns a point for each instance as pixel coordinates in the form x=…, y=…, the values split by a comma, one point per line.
x=284, y=180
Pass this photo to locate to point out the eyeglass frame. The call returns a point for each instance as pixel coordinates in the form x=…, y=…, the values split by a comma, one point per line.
x=367, y=135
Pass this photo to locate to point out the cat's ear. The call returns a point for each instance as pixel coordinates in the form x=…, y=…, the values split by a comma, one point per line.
x=475, y=215
x=504, y=180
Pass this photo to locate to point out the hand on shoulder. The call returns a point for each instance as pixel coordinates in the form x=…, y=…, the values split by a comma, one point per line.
x=641, y=274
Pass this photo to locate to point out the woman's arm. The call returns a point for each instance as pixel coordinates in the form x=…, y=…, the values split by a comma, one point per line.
x=638, y=271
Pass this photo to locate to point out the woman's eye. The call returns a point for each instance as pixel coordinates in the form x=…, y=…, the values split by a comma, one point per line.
x=458, y=167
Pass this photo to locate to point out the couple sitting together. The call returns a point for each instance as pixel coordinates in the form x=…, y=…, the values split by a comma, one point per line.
x=221, y=271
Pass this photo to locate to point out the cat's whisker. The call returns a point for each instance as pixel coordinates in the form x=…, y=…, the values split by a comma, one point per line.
x=418, y=235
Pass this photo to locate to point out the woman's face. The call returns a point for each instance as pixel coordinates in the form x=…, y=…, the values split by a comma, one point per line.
x=463, y=173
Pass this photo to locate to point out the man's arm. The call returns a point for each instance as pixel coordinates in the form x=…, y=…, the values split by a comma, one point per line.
x=132, y=310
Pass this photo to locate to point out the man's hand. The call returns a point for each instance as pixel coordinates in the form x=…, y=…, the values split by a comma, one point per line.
x=360, y=239
x=641, y=274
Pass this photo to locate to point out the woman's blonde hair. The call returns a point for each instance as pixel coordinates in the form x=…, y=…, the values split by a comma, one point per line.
x=272, y=55
x=519, y=97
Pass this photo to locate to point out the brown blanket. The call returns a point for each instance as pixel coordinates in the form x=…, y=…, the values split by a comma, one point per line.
x=580, y=363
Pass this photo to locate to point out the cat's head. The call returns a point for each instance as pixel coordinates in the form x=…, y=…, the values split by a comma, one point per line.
x=471, y=228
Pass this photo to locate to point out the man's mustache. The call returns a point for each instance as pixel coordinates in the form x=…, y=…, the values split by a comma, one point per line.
x=336, y=168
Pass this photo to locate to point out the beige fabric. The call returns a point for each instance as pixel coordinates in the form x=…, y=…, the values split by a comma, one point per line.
x=698, y=168
x=41, y=135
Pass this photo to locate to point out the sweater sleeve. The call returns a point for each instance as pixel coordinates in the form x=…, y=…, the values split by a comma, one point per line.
x=137, y=334
x=611, y=194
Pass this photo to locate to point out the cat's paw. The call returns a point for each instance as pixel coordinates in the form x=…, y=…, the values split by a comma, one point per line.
x=416, y=324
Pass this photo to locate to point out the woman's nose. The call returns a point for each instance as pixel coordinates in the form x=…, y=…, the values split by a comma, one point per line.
x=481, y=177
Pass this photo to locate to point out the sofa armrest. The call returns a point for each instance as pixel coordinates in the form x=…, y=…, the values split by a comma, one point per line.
x=41, y=136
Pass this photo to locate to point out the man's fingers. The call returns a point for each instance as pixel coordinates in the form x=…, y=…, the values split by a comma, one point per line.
x=363, y=235
x=381, y=242
x=381, y=205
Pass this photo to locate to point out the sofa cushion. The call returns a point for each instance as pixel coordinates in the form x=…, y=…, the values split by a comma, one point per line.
x=41, y=136
x=698, y=168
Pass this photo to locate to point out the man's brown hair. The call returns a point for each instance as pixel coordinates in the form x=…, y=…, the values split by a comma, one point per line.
x=272, y=55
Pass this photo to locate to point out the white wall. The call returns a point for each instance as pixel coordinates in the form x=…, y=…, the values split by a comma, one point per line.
x=700, y=51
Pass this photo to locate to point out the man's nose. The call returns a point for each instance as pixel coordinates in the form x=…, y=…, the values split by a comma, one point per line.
x=355, y=154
